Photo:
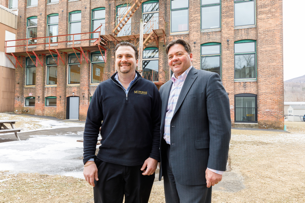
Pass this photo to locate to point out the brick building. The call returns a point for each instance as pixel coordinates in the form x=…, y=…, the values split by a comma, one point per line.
x=58, y=71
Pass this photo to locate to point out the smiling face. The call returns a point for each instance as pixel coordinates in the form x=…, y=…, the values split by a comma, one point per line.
x=178, y=59
x=125, y=60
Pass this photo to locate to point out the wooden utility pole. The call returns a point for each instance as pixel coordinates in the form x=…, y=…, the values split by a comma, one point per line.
x=140, y=47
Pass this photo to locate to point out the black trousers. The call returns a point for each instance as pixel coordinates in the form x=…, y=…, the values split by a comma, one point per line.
x=177, y=193
x=117, y=181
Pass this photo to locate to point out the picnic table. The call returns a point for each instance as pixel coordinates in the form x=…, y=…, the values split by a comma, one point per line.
x=5, y=129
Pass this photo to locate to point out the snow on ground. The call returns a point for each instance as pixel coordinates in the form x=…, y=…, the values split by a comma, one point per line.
x=30, y=123
x=58, y=154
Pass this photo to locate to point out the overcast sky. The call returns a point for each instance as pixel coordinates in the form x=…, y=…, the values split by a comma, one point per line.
x=294, y=42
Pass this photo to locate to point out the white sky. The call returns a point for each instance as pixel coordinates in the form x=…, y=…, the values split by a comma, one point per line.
x=294, y=43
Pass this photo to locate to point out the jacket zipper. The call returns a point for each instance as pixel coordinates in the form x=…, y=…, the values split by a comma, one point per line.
x=115, y=82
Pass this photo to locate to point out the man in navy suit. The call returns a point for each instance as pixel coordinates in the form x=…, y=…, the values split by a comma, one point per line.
x=195, y=129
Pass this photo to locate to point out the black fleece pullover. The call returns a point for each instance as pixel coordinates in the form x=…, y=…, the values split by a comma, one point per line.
x=131, y=122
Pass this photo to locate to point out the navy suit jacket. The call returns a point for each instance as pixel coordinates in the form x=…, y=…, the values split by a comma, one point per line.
x=200, y=128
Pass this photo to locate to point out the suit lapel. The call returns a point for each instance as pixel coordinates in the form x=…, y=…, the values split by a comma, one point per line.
x=190, y=79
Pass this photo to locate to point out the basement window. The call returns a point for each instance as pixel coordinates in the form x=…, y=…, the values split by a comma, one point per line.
x=244, y=12
x=98, y=19
x=246, y=108
x=211, y=57
x=179, y=15
x=151, y=64
x=210, y=14
x=50, y=101
x=29, y=101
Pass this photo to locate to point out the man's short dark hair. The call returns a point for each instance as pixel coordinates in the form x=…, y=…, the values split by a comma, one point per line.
x=127, y=44
x=185, y=44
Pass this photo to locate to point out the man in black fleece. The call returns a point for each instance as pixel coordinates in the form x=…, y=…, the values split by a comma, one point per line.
x=130, y=108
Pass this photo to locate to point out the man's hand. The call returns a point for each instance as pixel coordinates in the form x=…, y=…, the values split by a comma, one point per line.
x=90, y=173
x=149, y=166
x=212, y=178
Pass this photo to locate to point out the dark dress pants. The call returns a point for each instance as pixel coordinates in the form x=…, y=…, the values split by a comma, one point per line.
x=177, y=193
x=117, y=181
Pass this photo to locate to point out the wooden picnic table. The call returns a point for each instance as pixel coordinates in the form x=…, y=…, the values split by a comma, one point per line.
x=5, y=129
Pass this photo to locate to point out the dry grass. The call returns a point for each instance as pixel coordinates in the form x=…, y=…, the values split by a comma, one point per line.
x=271, y=165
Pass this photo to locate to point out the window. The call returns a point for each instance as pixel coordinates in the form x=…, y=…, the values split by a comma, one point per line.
x=150, y=15
x=121, y=11
x=52, y=1
x=245, y=108
x=29, y=101
x=244, y=12
x=210, y=14
x=51, y=70
x=211, y=57
x=52, y=27
x=13, y=4
x=151, y=64
x=32, y=29
x=98, y=18
x=97, y=68
x=74, y=69
x=32, y=2
x=75, y=18
x=179, y=15
x=245, y=59
x=50, y=101
x=30, y=71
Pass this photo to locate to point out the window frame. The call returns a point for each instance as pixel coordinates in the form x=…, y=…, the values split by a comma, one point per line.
x=70, y=37
x=68, y=75
x=27, y=29
x=29, y=66
x=27, y=4
x=47, y=66
x=50, y=97
x=220, y=16
x=212, y=55
x=245, y=1
x=151, y=59
x=152, y=12
x=91, y=69
x=256, y=107
x=29, y=98
x=246, y=53
x=48, y=24
x=93, y=19
x=116, y=18
x=188, y=18
x=10, y=4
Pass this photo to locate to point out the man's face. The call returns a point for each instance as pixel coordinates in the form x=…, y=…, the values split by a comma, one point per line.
x=178, y=59
x=125, y=60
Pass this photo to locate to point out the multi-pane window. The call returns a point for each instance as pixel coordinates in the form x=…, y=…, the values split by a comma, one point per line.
x=150, y=15
x=98, y=18
x=52, y=1
x=32, y=3
x=51, y=70
x=32, y=29
x=50, y=101
x=179, y=15
x=29, y=101
x=150, y=64
x=210, y=14
x=245, y=108
x=75, y=18
x=74, y=69
x=30, y=71
x=97, y=68
x=245, y=59
x=211, y=57
x=52, y=27
x=244, y=12
x=121, y=11
x=13, y=4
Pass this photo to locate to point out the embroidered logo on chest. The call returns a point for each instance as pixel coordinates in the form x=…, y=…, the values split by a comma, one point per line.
x=140, y=92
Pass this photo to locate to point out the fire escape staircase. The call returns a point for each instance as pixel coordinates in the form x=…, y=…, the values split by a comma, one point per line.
x=126, y=17
x=146, y=62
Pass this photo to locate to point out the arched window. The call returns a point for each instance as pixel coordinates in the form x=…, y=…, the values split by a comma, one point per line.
x=211, y=57
x=151, y=63
x=75, y=24
x=97, y=18
x=52, y=27
x=31, y=31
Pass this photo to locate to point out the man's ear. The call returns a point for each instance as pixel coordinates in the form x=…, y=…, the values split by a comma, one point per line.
x=191, y=57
